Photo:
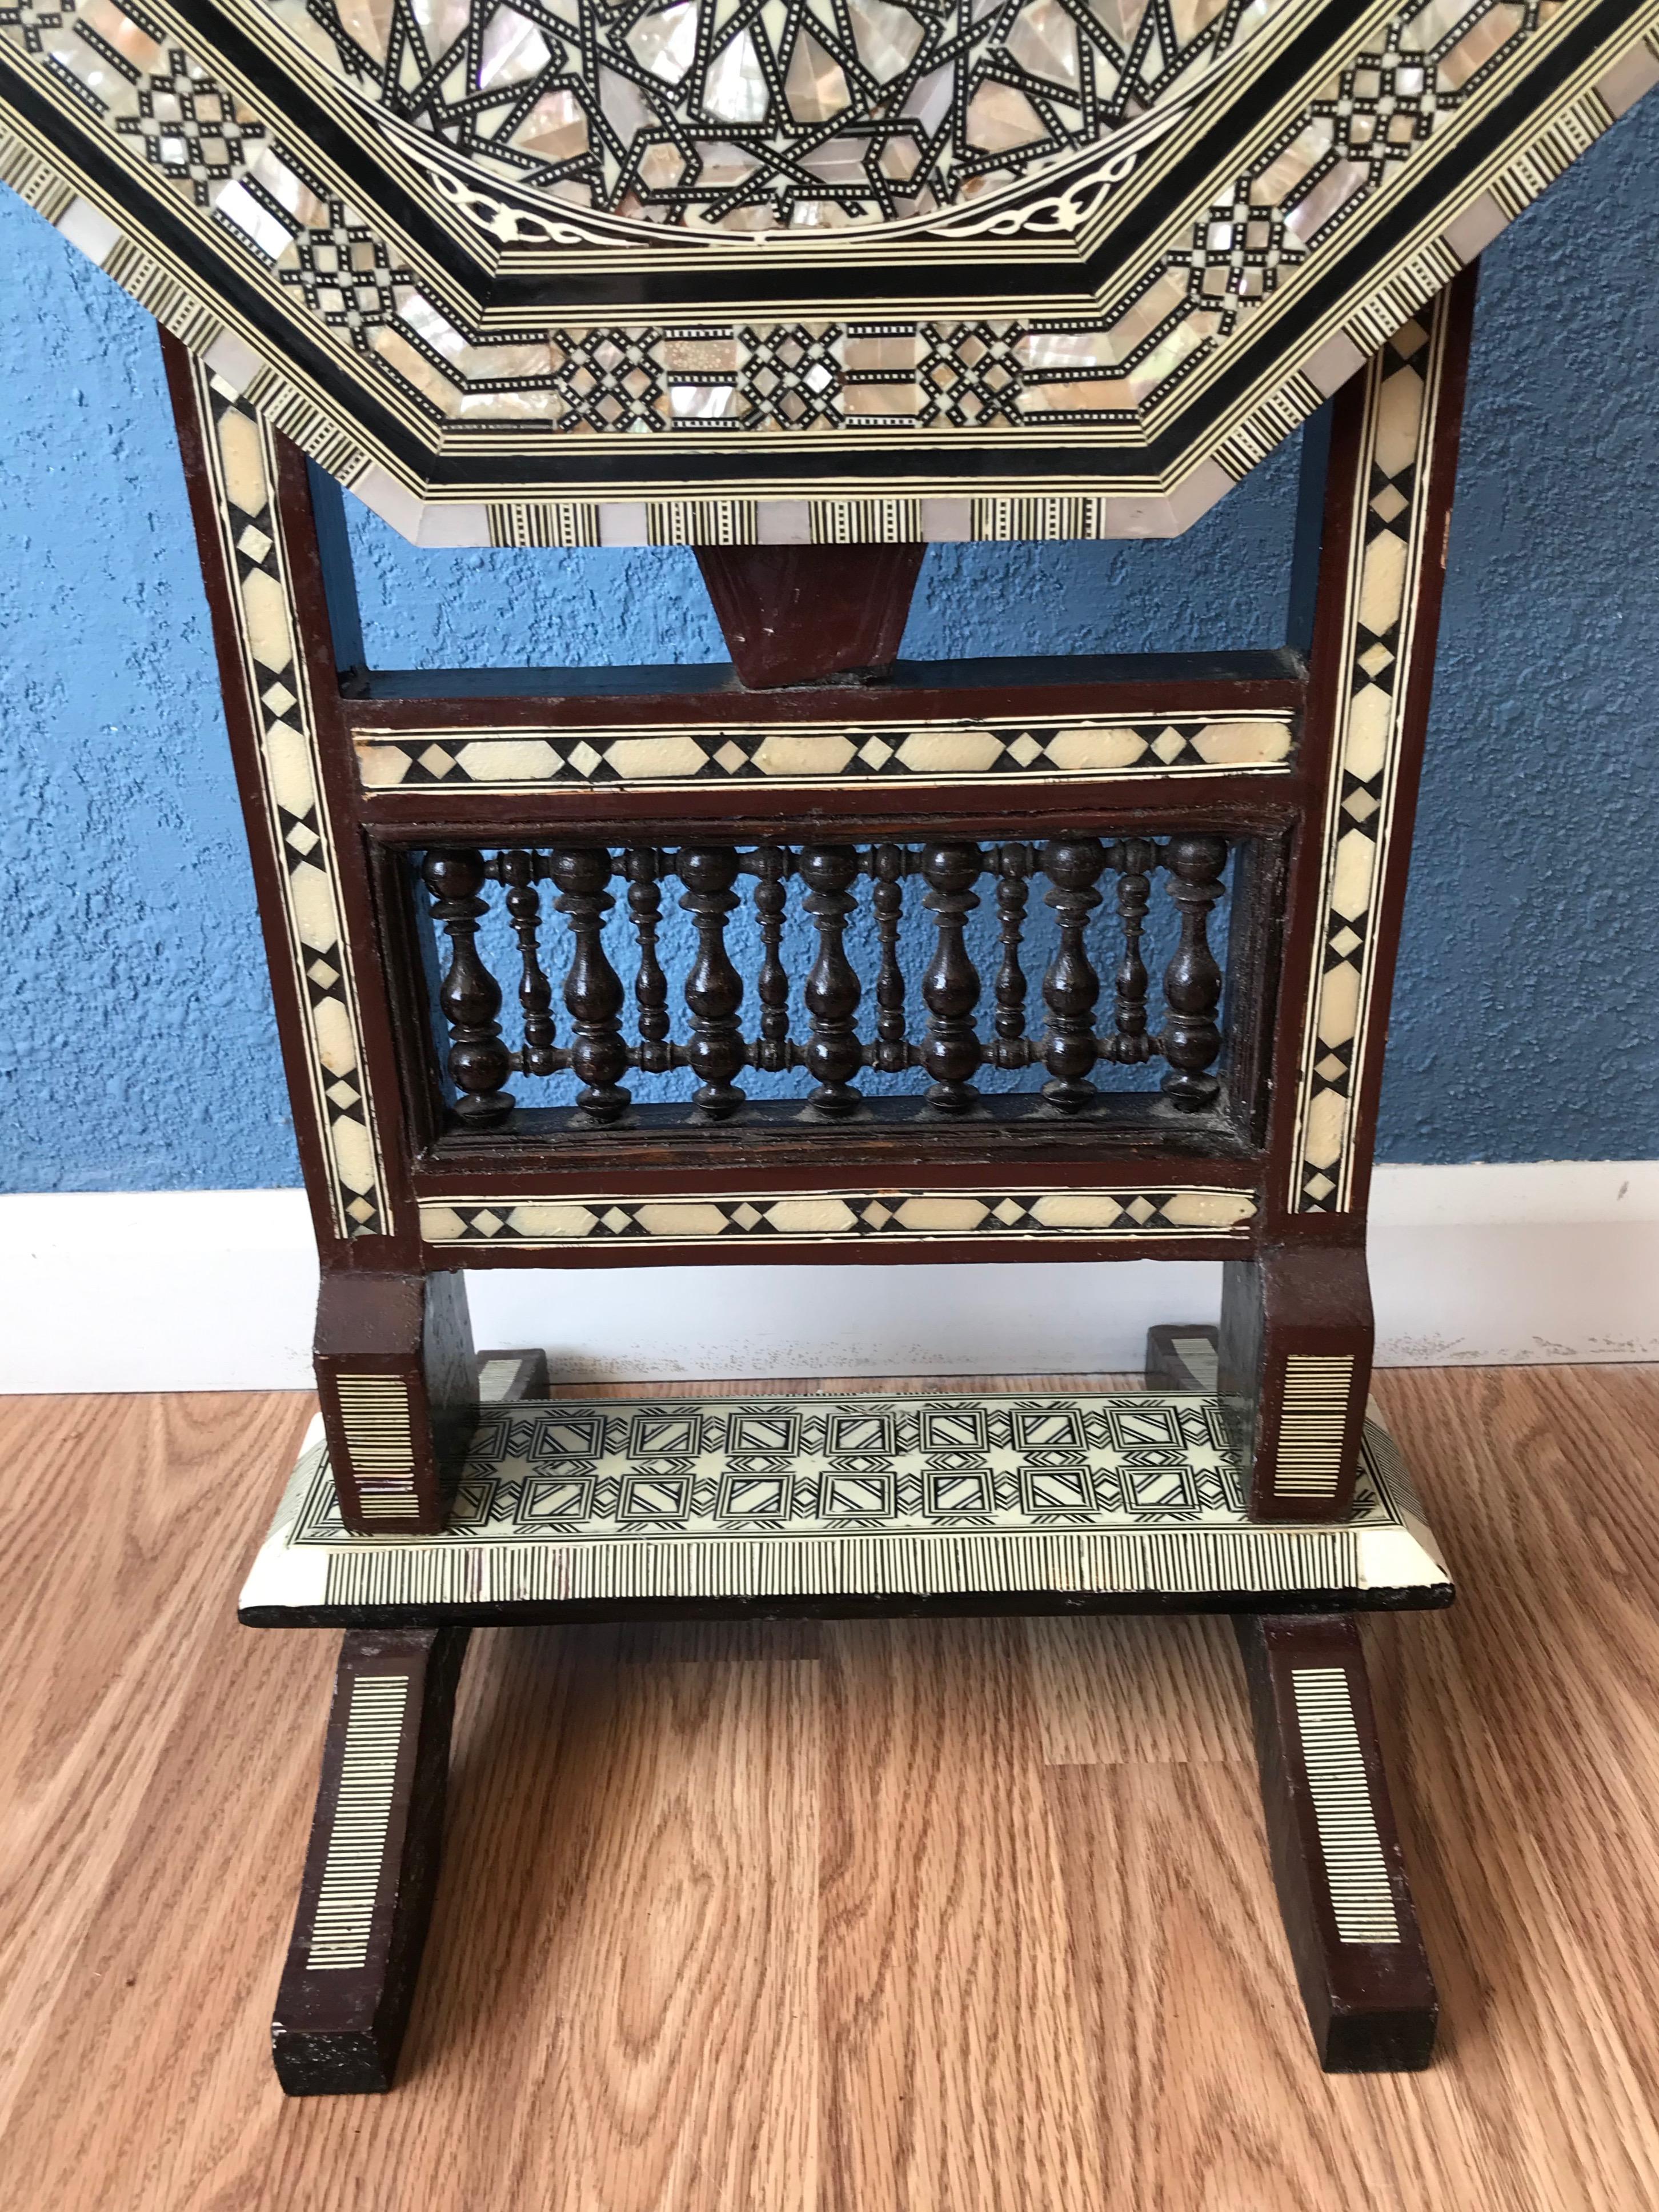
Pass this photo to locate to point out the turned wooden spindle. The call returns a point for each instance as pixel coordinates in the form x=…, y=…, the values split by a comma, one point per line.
x=713, y=988
x=1135, y=858
x=655, y=1055
x=478, y=1063
x=950, y=990
x=886, y=864
x=593, y=989
x=1191, y=982
x=1071, y=988
x=772, y=865
x=517, y=873
x=1012, y=866
x=834, y=1054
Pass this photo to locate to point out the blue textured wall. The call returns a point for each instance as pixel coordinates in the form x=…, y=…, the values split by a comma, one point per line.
x=135, y=1048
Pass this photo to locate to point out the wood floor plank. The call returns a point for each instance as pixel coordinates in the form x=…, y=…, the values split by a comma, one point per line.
x=1556, y=1641
x=616, y=2011
x=121, y=1576
x=1528, y=1752
x=667, y=1642
x=1207, y=2091
x=149, y=2087
x=1115, y=1692
x=667, y=2051
x=955, y=2075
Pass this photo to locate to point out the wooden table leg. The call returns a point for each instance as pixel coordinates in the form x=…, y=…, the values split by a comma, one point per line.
x=371, y=1867
x=1336, y=1857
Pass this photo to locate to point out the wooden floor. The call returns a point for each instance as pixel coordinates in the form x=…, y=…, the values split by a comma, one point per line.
x=962, y=1916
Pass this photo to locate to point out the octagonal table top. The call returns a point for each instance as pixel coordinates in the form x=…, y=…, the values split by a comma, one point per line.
x=566, y=271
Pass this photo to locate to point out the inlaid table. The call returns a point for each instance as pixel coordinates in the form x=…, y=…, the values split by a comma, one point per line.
x=823, y=956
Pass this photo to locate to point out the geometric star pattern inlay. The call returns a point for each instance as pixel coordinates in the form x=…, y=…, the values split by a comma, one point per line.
x=775, y=271
x=756, y=114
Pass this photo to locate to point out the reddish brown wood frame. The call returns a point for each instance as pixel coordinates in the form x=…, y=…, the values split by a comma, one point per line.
x=394, y=1361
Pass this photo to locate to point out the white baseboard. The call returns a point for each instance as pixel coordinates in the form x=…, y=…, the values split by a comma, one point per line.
x=1480, y=1266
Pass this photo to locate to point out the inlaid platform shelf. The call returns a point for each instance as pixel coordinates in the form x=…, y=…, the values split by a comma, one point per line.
x=822, y=956
x=574, y=1510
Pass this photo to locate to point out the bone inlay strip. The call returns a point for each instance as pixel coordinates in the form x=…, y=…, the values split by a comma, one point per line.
x=356, y=1845
x=375, y=1413
x=241, y=451
x=1023, y=749
x=1315, y=1413
x=1361, y=1898
x=821, y=1216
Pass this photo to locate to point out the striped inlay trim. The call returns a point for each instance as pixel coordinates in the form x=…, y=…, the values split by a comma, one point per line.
x=356, y=1843
x=1317, y=1389
x=1356, y=1872
x=438, y=1572
x=375, y=1413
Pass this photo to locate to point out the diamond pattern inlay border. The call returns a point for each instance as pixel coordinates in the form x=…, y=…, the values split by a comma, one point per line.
x=263, y=249
x=839, y=1217
x=1387, y=551
x=241, y=462
x=817, y=753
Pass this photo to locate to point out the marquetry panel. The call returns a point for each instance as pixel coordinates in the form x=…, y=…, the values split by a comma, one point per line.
x=1035, y=271
x=1124, y=1496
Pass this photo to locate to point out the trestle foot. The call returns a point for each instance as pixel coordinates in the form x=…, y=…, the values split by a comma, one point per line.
x=1337, y=1861
x=371, y=1867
